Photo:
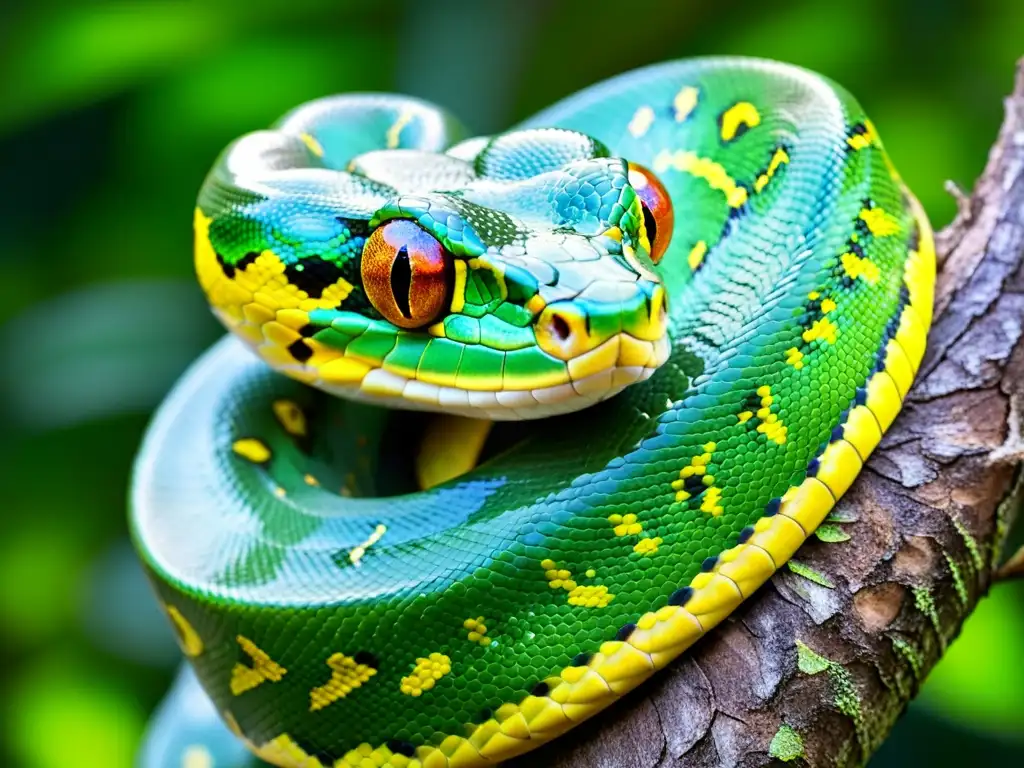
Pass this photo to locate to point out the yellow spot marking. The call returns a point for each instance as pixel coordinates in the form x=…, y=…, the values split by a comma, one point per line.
x=745, y=416
x=740, y=114
x=642, y=120
x=770, y=425
x=647, y=546
x=196, y=756
x=702, y=168
x=189, y=640
x=625, y=525
x=795, y=358
x=780, y=157
x=590, y=596
x=312, y=143
x=291, y=417
x=869, y=137
x=684, y=102
x=356, y=553
x=710, y=503
x=698, y=467
x=280, y=492
x=880, y=223
x=425, y=674
x=477, y=631
x=697, y=254
x=283, y=751
x=827, y=305
x=591, y=573
x=855, y=267
x=824, y=329
x=252, y=449
x=585, y=596
x=813, y=295
x=310, y=480
x=263, y=668
x=394, y=132
x=346, y=675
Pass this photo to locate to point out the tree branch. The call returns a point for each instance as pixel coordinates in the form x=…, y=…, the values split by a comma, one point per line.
x=817, y=667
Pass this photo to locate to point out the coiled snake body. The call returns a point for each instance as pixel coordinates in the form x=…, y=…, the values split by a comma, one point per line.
x=690, y=301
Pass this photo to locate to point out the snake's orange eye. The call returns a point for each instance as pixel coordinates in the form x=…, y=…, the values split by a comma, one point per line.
x=407, y=274
x=659, y=217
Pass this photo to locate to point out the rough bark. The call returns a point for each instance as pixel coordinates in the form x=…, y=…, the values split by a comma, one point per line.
x=816, y=668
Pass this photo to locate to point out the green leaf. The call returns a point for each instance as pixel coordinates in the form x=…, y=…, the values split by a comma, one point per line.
x=810, y=574
x=980, y=681
x=831, y=534
x=99, y=723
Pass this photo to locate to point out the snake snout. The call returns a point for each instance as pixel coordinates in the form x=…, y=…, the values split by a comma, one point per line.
x=613, y=329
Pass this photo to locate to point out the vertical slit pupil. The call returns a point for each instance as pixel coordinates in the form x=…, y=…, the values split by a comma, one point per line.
x=650, y=224
x=401, y=281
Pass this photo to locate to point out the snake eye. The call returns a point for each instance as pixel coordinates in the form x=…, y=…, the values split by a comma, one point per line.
x=659, y=217
x=407, y=274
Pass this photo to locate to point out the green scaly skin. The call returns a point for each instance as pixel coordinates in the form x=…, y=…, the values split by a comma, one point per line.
x=335, y=614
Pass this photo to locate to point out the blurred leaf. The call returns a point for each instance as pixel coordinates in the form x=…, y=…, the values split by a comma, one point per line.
x=819, y=36
x=103, y=350
x=39, y=570
x=88, y=51
x=62, y=712
x=927, y=149
x=980, y=681
x=249, y=85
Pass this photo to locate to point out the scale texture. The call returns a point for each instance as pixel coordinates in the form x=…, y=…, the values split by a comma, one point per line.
x=694, y=385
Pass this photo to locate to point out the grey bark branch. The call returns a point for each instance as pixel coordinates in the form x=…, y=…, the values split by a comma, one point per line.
x=817, y=667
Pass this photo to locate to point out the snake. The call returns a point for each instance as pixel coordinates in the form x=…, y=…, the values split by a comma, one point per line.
x=501, y=425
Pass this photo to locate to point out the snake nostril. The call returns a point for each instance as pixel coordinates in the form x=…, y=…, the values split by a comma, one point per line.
x=559, y=327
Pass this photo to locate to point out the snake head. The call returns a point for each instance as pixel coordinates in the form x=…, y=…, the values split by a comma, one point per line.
x=505, y=278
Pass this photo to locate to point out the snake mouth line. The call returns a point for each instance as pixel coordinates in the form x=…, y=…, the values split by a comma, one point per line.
x=588, y=378
x=583, y=386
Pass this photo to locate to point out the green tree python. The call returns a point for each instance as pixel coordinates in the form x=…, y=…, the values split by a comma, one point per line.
x=504, y=424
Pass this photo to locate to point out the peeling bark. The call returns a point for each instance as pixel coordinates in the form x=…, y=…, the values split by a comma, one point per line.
x=817, y=667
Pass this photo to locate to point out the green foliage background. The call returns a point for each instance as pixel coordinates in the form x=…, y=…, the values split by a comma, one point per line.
x=110, y=115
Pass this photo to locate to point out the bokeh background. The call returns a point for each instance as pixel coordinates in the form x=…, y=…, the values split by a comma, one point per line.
x=110, y=115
